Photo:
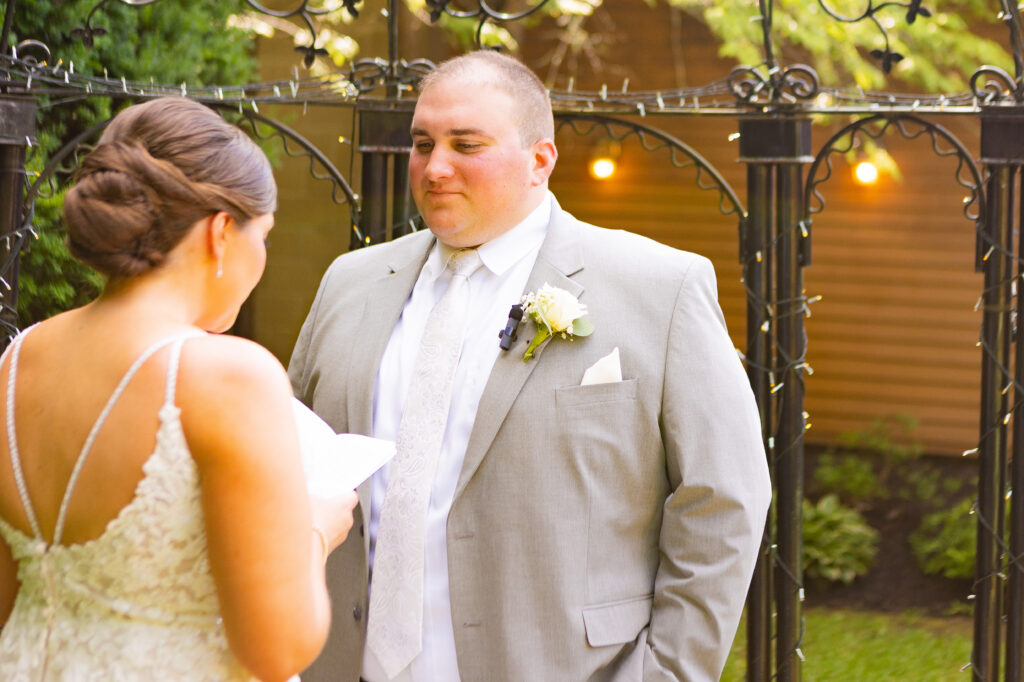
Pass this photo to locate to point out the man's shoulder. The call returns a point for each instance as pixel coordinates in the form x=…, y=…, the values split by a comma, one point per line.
x=625, y=250
x=388, y=254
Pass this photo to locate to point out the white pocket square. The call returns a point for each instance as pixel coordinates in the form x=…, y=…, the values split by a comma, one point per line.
x=605, y=371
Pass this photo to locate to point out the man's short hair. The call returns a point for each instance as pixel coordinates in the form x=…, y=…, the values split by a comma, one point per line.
x=510, y=76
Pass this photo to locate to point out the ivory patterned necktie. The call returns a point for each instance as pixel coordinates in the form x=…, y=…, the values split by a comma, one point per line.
x=394, y=630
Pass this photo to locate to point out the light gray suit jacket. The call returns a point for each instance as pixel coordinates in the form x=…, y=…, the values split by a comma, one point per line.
x=602, y=532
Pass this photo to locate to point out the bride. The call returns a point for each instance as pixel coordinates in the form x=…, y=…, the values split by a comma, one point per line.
x=153, y=510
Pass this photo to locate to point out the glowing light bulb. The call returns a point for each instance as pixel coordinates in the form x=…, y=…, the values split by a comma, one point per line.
x=866, y=173
x=602, y=169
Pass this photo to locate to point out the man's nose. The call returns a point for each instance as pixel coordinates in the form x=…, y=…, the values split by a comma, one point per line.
x=438, y=166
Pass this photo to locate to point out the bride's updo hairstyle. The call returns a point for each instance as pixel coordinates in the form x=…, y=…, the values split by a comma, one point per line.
x=160, y=167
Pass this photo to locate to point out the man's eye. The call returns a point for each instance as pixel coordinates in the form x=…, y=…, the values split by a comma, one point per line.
x=467, y=146
x=423, y=147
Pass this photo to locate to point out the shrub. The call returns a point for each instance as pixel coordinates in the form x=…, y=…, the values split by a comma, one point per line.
x=850, y=476
x=878, y=462
x=945, y=542
x=838, y=543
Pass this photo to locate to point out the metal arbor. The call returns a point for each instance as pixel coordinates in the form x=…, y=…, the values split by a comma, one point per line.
x=775, y=105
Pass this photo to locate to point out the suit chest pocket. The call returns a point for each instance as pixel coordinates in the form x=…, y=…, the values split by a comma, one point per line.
x=601, y=418
x=601, y=434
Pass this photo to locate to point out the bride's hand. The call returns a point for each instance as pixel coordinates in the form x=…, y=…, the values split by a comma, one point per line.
x=333, y=515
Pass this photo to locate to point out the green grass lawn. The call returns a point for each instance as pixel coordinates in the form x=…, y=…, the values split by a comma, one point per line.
x=858, y=646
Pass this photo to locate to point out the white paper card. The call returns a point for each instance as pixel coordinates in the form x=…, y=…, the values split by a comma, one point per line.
x=336, y=462
x=605, y=371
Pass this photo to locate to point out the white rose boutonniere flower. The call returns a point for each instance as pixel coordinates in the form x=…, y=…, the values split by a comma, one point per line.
x=555, y=311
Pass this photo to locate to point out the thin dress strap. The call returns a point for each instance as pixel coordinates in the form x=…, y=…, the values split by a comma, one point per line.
x=19, y=477
x=58, y=530
x=172, y=371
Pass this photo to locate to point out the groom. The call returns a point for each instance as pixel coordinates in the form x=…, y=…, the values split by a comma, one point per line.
x=535, y=525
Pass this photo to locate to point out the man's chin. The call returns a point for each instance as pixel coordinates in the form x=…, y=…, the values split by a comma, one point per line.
x=448, y=238
x=444, y=226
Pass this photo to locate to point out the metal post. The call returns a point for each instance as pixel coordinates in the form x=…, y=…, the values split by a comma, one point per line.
x=375, y=196
x=756, y=258
x=992, y=446
x=17, y=132
x=402, y=210
x=1015, y=589
x=383, y=137
x=789, y=439
x=781, y=145
x=1000, y=143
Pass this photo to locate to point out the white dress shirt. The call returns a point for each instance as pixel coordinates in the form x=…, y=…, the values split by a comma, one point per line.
x=494, y=288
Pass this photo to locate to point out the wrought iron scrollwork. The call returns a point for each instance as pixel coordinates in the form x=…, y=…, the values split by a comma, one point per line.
x=320, y=167
x=483, y=10
x=990, y=84
x=681, y=155
x=797, y=82
x=370, y=74
x=887, y=56
x=943, y=143
x=306, y=13
x=32, y=53
x=87, y=32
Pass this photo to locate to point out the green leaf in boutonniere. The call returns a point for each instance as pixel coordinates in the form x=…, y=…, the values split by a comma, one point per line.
x=557, y=313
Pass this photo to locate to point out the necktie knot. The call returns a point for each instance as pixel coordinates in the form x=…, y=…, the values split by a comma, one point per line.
x=464, y=262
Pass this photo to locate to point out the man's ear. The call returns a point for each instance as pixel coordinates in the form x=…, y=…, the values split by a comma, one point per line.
x=544, y=156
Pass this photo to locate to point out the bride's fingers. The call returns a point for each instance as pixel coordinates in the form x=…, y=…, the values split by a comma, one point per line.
x=334, y=515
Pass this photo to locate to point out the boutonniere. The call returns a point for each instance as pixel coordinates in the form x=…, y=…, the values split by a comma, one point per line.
x=556, y=312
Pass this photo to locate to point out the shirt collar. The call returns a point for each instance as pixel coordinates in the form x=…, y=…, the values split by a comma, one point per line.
x=505, y=250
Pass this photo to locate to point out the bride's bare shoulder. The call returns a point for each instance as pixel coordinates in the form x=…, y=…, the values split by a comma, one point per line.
x=235, y=400
x=220, y=367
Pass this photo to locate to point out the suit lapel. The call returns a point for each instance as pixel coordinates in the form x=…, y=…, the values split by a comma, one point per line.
x=382, y=307
x=560, y=257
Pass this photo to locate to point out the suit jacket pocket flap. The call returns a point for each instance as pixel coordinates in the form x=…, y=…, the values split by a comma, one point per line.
x=618, y=622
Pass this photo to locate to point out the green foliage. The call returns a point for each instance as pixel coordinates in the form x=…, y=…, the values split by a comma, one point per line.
x=171, y=42
x=945, y=542
x=838, y=543
x=874, y=463
x=940, y=52
x=888, y=436
x=851, y=477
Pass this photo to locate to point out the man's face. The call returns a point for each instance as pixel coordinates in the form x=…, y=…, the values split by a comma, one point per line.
x=472, y=178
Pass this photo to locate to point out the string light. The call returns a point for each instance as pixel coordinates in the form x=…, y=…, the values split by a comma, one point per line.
x=866, y=173
x=602, y=168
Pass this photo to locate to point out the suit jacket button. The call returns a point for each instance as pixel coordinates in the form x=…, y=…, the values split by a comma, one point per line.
x=357, y=612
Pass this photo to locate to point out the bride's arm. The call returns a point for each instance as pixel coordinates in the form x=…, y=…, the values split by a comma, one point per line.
x=267, y=560
x=8, y=582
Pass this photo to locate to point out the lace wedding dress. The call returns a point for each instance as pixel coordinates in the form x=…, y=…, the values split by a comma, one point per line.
x=136, y=603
